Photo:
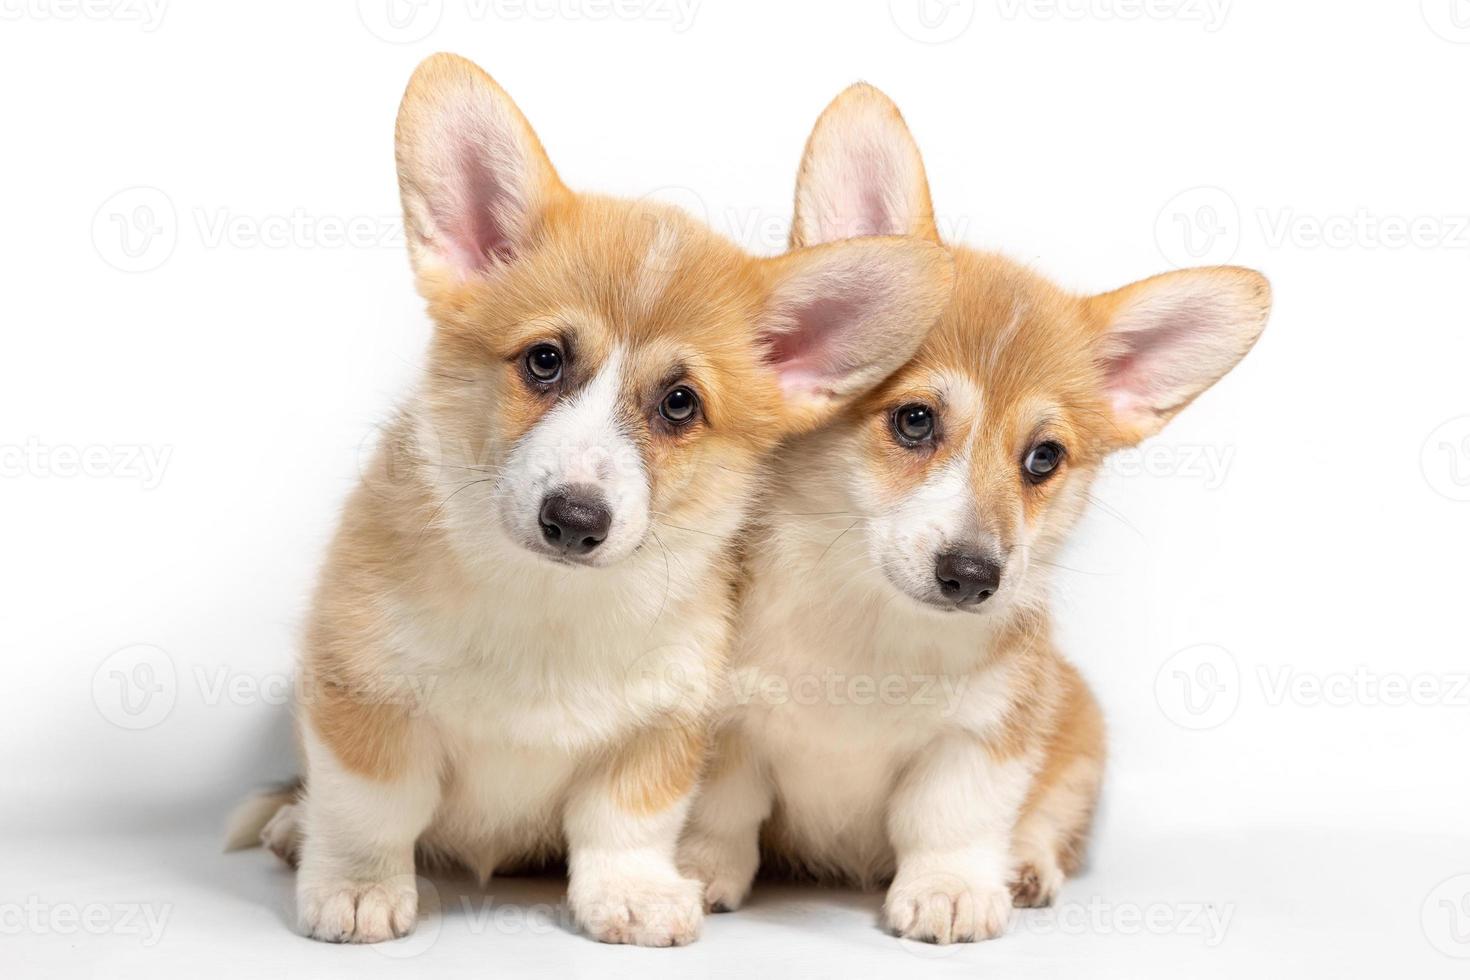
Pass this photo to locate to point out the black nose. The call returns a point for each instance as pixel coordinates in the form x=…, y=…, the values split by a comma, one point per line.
x=575, y=520
x=966, y=580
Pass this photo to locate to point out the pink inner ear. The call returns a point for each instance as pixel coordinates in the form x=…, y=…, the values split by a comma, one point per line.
x=475, y=207
x=811, y=352
x=861, y=197
x=1163, y=353
x=874, y=213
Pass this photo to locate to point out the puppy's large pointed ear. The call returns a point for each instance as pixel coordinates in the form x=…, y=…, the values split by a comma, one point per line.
x=1165, y=340
x=840, y=318
x=472, y=174
x=861, y=174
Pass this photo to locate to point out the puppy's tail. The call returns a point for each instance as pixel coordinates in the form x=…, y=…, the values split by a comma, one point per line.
x=251, y=814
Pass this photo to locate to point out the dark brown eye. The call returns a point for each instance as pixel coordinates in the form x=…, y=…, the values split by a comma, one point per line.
x=544, y=363
x=678, y=406
x=913, y=424
x=1042, y=461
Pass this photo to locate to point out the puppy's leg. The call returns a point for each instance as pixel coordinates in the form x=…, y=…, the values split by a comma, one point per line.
x=950, y=823
x=1051, y=836
x=359, y=822
x=622, y=827
x=282, y=834
x=721, y=845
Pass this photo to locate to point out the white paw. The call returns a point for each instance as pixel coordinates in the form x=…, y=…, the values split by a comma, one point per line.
x=282, y=834
x=358, y=912
x=1035, y=883
x=946, y=908
x=725, y=867
x=641, y=911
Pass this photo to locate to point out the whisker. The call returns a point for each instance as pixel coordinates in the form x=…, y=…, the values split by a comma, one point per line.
x=445, y=502
x=830, y=546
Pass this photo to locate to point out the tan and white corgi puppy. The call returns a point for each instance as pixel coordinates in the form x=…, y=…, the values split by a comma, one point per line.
x=549, y=528
x=898, y=712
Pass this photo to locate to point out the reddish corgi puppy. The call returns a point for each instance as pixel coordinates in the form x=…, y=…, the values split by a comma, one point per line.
x=550, y=526
x=899, y=713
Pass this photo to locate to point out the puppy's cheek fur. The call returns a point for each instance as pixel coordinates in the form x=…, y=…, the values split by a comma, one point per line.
x=469, y=413
x=516, y=407
x=702, y=480
x=1053, y=513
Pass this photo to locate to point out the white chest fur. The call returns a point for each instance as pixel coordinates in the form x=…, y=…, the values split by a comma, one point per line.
x=527, y=679
x=839, y=684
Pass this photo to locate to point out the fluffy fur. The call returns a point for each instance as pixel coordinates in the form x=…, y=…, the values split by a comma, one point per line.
x=874, y=731
x=474, y=693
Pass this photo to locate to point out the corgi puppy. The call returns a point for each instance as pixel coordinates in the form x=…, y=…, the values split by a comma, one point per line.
x=549, y=527
x=898, y=712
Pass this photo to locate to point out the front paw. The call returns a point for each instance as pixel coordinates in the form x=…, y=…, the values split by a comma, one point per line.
x=1034, y=884
x=946, y=908
x=358, y=911
x=724, y=866
x=639, y=910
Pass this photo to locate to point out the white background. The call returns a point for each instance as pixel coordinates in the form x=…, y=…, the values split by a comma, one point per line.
x=1271, y=603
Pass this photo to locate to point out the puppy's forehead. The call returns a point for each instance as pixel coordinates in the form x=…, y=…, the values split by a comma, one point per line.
x=1010, y=329
x=639, y=261
x=958, y=390
x=657, y=269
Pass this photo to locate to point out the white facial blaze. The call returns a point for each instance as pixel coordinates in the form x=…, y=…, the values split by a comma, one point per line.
x=912, y=533
x=907, y=537
x=581, y=442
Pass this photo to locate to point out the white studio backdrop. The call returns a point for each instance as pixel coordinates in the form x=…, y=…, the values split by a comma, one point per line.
x=207, y=310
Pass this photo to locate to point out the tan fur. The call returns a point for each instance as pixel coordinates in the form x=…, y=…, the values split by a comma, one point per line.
x=658, y=767
x=702, y=323
x=1037, y=353
x=988, y=803
x=347, y=696
x=1066, y=787
x=468, y=692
